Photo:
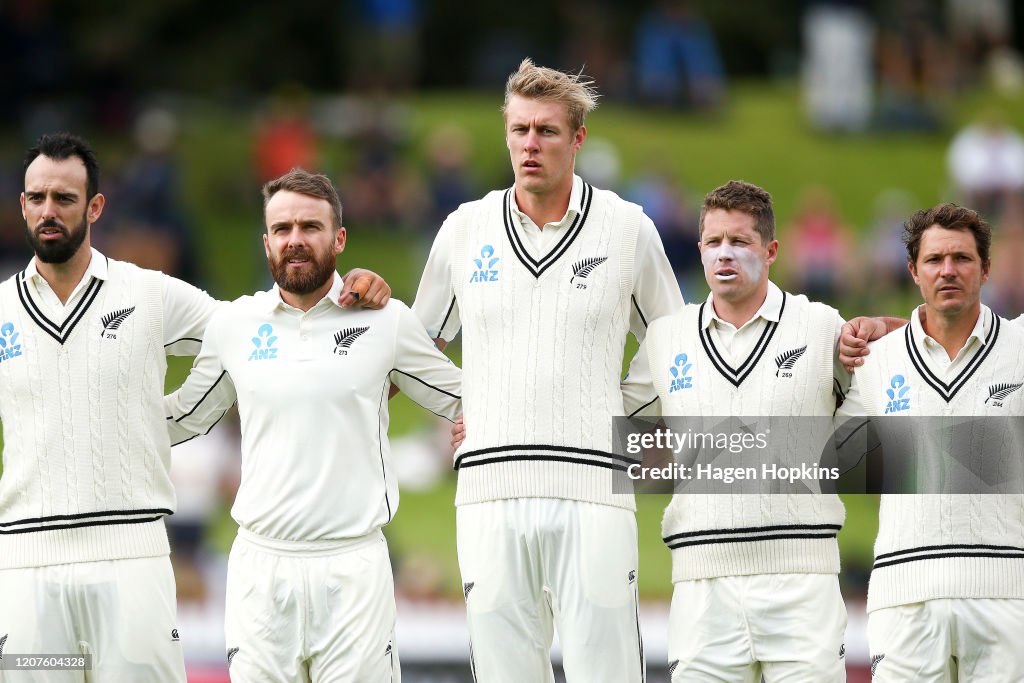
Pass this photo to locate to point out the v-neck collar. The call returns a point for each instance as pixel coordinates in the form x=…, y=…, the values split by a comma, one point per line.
x=914, y=337
x=96, y=274
x=538, y=266
x=736, y=375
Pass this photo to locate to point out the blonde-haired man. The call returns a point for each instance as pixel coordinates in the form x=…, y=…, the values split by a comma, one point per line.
x=547, y=278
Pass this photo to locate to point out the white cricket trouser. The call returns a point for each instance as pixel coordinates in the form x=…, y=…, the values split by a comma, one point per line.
x=530, y=564
x=969, y=640
x=313, y=612
x=121, y=612
x=787, y=627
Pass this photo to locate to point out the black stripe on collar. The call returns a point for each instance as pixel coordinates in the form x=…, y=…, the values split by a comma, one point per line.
x=944, y=390
x=737, y=375
x=59, y=332
x=535, y=266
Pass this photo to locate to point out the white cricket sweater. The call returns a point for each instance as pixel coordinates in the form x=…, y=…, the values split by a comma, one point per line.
x=312, y=390
x=945, y=546
x=714, y=535
x=86, y=452
x=543, y=337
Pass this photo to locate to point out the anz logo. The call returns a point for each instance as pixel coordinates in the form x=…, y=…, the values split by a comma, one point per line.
x=9, y=346
x=681, y=378
x=264, y=343
x=897, y=393
x=488, y=272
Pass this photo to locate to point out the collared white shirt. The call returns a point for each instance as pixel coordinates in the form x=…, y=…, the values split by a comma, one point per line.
x=312, y=391
x=936, y=355
x=539, y=241
x=736, y=344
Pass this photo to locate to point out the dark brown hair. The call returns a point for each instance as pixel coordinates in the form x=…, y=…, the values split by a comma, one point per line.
x=951, y=217
x=737, y=195
x=302, y=181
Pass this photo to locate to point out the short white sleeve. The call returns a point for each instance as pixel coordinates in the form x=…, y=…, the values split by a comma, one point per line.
x=187, y=311
x=422, y=372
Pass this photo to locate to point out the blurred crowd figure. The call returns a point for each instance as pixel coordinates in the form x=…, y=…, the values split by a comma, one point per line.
x=147, y=223
x=838, y=69
x=284, y=137
x=898, y=65
x=1005, y=286
x=883, y=250
x=382, y=43
x=675, y=212
x=986, y=164
x=818, y=244
x=677, y=60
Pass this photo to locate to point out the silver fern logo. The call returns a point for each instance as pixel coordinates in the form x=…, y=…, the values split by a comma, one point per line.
x=582, y=269
x=112, y=321
x=786, y=361
x=875, y=661
x=231, y=655
x=343, y=339
x=3, y=641
x=997, y=393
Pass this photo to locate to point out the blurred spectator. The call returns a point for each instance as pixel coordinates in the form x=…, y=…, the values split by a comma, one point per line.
x=883, y=247
x=595, y=42
x=819, y=247
x=599, y=163
x=1005, y=290
x=448, y=175
x=285, y=139
x=379, y=189
x=14, y=250
x=838, y=66
x=383, y=41
x=669, y=205
x=33, y=61
x=147, y=221
x=980, y=29
x=915, y=68
x=677, y=59
x=986, y=162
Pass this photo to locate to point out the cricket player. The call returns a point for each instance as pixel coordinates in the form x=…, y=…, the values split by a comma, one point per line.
x=310, y=594
x=756, y=590
x=946, y=596
x=83, y=550
x=546, y=278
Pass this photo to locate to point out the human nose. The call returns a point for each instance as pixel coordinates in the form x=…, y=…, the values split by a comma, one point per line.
x=531, y=140
x=947, y=268
x=49, y=208
x=295, y=237
x=725, y=252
